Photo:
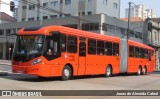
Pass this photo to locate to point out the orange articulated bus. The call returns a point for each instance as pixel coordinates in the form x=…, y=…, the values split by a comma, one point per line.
x=60, y=51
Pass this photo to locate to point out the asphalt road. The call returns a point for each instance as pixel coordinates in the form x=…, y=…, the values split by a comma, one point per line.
x=117, y=82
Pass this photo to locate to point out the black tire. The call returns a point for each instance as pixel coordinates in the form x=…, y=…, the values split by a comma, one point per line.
x=108, y=72
x=66, y=73
x=145, y=70
x=139, y=71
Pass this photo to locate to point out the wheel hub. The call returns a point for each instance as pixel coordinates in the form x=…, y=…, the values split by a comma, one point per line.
x=108, y=71
x=66, y=72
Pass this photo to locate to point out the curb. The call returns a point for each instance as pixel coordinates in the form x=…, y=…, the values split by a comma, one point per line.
x=157, y=71
x=5, y=64
x=7, y=73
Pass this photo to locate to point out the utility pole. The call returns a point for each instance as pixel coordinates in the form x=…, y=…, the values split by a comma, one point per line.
x=38, y=9
x=128, y=31
x=80, y=21
x=41, y=19
x=0, y=12
x=128, y=26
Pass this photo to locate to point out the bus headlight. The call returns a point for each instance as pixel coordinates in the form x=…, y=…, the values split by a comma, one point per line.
x=36, y=61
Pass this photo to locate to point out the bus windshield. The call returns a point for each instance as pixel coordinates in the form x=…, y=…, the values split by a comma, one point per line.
x=29, y=44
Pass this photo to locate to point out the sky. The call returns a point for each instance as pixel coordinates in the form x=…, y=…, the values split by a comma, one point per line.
x=149, y=4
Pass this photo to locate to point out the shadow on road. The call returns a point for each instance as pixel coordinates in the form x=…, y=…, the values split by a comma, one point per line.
x=28, y=78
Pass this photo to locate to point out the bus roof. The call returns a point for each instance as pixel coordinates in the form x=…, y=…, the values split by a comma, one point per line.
x=137, y=44
x=46, y=30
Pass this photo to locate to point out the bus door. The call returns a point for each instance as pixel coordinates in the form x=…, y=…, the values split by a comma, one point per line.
x=149, y=60
x=153, y=60
x=154, y=55
x=82, y=58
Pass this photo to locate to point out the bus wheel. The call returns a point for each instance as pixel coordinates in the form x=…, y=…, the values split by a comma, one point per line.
x=145, y=70
x=108, y=71
x=66, y=73
x=139, y=71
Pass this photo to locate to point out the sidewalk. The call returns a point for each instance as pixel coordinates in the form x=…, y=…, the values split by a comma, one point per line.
x=6, y=62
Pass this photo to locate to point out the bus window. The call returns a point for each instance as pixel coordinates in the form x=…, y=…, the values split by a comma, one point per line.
x=63, y=42
x=108, y=48
x=149, y=56
x=100, y=47
x=72, y=44
x=82, y=49
x=146, y=53
x=152, y=53
x=131, y=51
x=140, y=52
x=115, y=49
x=91, y=46
x=53, y=46
x=136, y=52
x=143, y=53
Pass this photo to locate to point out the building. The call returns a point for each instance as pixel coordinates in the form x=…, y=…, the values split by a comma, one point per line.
x=33, y=10
x=5, y=18
x=15, y=13
x=4, y=7
x=152, y=36
x=153, y=31
x=133, y=19
x=98, y=23
x=140, y=11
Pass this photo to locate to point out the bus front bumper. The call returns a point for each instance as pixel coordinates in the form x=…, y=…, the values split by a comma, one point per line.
x=37, y=70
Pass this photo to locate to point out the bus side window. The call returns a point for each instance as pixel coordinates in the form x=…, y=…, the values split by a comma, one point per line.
x=115, y=49
x=146, y=53
x=149, y=56
x=53, y=44
x=108, y=48
x=63, y=42
x=91, y=46
x=131, y=51
x=100, y=47
x=72, y=44
x=53, y=47
x=152, y=53
x=50, y=47
x=82, y=49
x=141, y=53
x=136, y=52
